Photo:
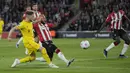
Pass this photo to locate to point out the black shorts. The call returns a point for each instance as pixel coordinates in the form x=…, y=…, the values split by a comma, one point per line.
x=117, y=34
x=50, y=48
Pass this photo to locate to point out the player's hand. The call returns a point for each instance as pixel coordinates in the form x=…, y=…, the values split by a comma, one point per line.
x=39, y=19
x=9, y=39
x=17, y=45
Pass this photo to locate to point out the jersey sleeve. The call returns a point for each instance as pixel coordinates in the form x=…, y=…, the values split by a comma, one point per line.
x=123, y=14
x=108, y=18
x=21, y=26
x=50, y=25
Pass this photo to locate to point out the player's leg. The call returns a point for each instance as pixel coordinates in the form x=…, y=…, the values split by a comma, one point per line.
x=53, y=49
x=116, y=37
x=29, y=58
x=117, y=41
x=46, y=57
x=47, y=49
x=126, y=38
x=62, y=57
x=43, y=51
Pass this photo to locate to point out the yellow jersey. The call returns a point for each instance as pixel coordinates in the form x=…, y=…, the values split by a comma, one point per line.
x=1, y=24
x=26, y=29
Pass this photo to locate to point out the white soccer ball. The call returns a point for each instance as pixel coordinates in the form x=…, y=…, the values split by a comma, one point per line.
x=85, y=44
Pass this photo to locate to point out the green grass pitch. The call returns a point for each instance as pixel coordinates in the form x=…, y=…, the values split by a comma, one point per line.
x=90, y=60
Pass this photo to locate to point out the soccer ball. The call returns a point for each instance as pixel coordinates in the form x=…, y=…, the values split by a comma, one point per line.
x=85, y=44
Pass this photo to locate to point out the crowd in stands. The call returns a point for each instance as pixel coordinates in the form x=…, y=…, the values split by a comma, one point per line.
x=57, y=12
x=93, y=15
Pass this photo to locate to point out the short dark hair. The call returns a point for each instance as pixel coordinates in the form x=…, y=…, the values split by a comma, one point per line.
x=29, y=12
x=34, y=4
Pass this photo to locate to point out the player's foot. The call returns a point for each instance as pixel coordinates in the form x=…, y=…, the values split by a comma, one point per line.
x=17, y=45
x=123, y=56
x=16, y=62
x=53, y=66
x=105, y=53
x=72, y=60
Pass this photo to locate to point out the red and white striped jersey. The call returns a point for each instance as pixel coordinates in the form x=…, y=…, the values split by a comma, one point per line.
x=43, y=32
x=37, y=14
x=116, y=19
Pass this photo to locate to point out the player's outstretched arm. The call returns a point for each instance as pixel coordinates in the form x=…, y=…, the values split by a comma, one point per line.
x=127, y=18
x=103, y=26
x=10, y=32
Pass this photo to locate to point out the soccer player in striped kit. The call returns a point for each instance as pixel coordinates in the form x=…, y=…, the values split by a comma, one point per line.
x=45, y=38
x=43, y=33
x=114, y=19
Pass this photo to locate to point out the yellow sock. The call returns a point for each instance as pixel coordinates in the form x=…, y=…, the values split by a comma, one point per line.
x=45, y=56
x=27, y=59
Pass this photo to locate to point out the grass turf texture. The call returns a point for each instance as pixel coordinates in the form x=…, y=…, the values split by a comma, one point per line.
x=86, y=61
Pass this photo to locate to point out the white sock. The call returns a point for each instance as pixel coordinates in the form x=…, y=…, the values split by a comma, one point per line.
x=40, y=59
x=124, y=49
x=62, y=57
x=20, y=40
x=26, y=51
x=110, y=46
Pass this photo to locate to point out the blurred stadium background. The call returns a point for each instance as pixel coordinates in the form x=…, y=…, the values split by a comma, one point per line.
x=64, y=15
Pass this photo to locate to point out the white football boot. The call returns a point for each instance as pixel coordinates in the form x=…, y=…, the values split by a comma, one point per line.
x=16, y=62
x=53, y=65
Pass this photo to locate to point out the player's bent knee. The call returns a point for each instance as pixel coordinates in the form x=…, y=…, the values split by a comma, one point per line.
x=43, y=50
x=117, y=42
x=57, y=51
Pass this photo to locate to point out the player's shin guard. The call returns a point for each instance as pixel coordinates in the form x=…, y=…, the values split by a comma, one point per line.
x=124, y=49
x=112, y=45
x=61, y=55
x=27, y=59
x=45, y=55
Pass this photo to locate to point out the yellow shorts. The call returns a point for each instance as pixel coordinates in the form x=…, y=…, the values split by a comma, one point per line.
x=32, y=46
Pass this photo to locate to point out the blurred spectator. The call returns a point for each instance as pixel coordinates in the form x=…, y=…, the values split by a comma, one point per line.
x=58, y=12
x=74, y=26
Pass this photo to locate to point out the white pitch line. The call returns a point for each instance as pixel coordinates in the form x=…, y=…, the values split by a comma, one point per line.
x=77, y=59
x=99, y=67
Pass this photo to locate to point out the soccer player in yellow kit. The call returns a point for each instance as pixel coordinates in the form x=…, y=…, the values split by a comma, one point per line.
x=26, y=28
x=1, y=27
